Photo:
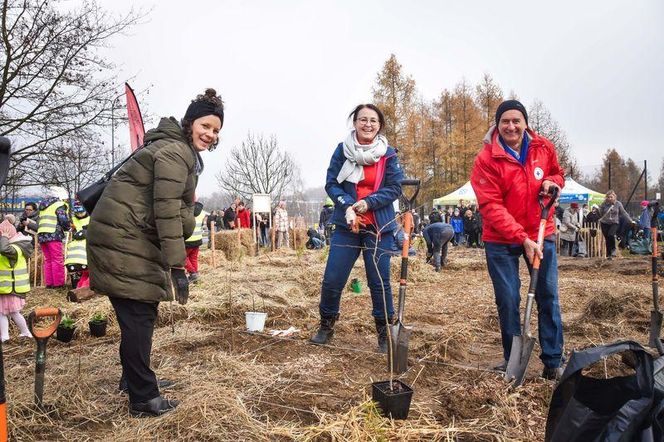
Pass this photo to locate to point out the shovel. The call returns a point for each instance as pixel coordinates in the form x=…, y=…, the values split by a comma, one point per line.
x=397, y=350
x=656, y=313
x=522, y=346
x=41, y=335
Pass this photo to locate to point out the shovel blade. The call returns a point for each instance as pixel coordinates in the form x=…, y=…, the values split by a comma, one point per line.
x=398, y=348
x=655, y=328
x=522, y=348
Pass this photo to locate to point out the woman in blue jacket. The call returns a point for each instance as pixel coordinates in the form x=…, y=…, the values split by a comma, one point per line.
x=363, y=180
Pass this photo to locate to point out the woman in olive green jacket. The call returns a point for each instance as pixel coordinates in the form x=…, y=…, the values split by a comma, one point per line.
x=135, y=239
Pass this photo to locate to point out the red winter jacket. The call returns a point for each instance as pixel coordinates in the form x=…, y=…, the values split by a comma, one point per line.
x=507, y=191
x=243, y=218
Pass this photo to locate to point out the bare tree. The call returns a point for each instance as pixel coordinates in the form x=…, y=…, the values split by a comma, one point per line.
x=217, y=200
x=73, y=163
x=258, y=166
x=541, y=121
x=53, y=80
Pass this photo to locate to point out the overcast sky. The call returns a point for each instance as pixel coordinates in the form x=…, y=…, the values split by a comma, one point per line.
x=295, y=69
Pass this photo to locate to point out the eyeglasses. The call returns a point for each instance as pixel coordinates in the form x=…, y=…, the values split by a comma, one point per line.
x=371, y=121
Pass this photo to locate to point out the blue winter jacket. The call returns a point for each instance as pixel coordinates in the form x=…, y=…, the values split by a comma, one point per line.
x=388, y=173
x=457, y=224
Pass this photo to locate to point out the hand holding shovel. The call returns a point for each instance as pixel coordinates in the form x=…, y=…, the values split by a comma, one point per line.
x=522, y=346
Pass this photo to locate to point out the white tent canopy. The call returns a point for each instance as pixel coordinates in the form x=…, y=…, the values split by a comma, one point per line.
x=464, y=192
x=572, y=192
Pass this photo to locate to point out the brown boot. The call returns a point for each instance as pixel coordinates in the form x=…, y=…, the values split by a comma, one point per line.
x=80, y=294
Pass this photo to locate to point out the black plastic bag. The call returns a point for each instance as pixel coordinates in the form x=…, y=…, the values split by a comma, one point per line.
x=621, y=408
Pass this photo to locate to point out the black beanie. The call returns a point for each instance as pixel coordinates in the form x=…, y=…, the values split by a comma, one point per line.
x=511, y=105
x=202, y=108
x=206, y=104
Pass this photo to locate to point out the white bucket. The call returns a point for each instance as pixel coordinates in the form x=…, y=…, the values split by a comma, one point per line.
x=255, y=321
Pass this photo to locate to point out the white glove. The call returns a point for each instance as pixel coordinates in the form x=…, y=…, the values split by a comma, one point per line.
x=351, y=217
x=361, y=206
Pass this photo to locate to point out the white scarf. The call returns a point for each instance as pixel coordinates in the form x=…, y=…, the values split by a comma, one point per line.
x=360, y=155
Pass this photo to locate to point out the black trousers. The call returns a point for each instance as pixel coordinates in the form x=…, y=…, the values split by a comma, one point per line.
x=136, y=320
x=609, y=231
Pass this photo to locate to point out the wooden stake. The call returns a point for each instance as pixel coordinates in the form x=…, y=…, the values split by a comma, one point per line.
x=212, y=235
x=36, y=258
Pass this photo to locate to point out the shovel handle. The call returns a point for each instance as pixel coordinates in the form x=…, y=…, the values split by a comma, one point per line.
x=410, y=202
x=553, y=196
x=44, y=312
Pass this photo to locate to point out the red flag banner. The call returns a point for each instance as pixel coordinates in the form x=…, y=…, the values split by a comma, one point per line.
x=136, y=128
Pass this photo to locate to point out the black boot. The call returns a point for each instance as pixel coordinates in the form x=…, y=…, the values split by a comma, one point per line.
x=326, y=330
x=153, y=407
x=381, y=330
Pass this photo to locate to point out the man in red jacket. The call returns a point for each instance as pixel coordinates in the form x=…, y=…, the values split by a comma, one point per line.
x=243, y=216
x=514, y=167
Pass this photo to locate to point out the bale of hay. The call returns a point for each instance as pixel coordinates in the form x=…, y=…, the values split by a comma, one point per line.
x=227, y=242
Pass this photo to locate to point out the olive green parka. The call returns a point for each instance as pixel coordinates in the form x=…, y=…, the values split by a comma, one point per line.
x=137, y=230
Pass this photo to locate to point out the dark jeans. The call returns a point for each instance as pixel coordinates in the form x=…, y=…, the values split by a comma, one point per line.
x=136, y=320
x=503, y=264
x=345, y=248
x=609, y=231
x=473, y=238
x=438, y=242
x=566, y=247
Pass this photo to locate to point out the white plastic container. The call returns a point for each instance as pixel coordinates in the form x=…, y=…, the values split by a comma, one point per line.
x=255, y=321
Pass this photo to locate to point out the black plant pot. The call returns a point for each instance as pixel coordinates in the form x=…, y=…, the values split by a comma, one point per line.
x=98, y=329
x=65, y=334
x=395, y=402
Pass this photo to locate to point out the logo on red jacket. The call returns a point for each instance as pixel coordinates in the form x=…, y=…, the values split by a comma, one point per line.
x=539, y=173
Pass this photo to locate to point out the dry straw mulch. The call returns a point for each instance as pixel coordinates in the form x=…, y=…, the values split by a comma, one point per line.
x=238, y=386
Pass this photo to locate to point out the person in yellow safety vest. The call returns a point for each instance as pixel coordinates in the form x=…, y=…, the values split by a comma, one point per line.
x=194, y=242
x=76, y=259
x=53, y=223
x=15, y=249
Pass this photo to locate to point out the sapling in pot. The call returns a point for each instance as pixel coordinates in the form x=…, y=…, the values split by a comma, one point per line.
x=98, y=324
x=65, y=330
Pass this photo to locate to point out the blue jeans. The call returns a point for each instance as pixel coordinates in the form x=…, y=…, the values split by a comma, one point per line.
x=503, y=263
x=345, y=248
x=459, y=238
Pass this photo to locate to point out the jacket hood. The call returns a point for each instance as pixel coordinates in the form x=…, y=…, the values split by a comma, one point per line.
x=167, y=128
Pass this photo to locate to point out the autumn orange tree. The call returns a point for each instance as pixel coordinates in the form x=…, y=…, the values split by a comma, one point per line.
x=625, y=174
x=439, y=139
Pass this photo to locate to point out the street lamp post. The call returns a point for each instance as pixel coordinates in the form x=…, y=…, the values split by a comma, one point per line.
x=113, y=129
